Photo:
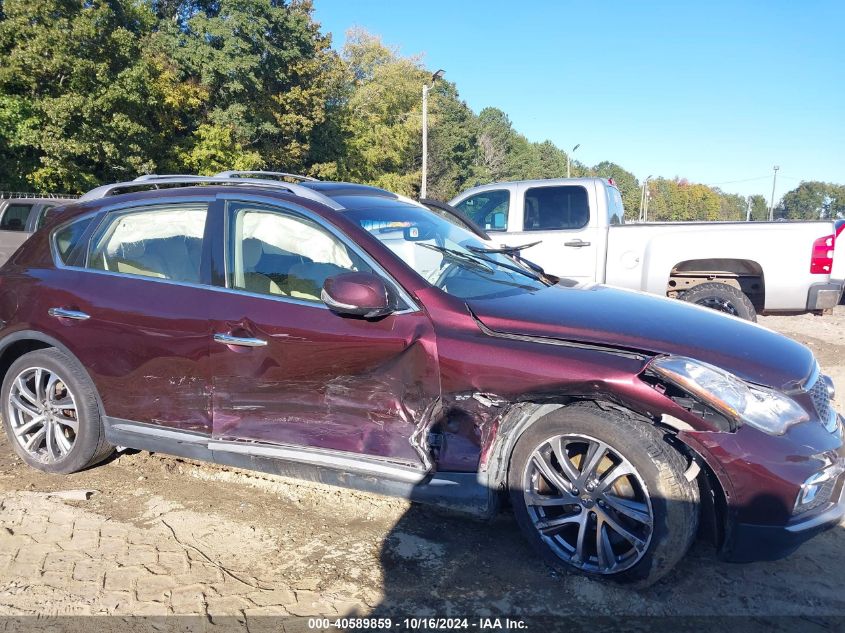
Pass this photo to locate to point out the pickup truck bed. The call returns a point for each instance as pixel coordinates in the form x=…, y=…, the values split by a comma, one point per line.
x=725, y=251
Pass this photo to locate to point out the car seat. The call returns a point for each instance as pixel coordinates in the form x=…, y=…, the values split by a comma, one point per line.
x=255, y=281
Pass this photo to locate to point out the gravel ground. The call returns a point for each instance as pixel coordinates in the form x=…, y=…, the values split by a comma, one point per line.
x=160, y=535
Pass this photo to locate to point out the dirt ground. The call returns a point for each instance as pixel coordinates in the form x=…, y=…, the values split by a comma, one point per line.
x=160, y=535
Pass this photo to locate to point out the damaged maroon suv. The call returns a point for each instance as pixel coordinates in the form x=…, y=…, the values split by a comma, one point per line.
x=342, y=334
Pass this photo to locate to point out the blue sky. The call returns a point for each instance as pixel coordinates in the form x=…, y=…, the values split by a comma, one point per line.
x=715, y=92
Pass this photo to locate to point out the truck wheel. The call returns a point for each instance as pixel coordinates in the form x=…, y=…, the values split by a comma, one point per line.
x=602, y=493
x=50, y=413
x=722, y=297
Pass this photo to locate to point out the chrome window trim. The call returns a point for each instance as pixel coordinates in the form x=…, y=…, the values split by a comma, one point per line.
x=294, y=209
x=108, y=209
x=188, y=284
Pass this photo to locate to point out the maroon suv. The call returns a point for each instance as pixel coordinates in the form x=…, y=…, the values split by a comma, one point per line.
x=343, y=334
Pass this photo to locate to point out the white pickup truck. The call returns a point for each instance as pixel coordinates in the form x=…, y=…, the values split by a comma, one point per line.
x=742, y=268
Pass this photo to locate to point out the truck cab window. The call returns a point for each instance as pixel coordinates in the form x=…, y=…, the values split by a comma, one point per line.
x=489, y=209
x=556, y=208
x=14, y=219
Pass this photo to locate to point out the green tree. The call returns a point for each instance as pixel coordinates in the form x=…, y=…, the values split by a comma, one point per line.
x=453, y=143
x=261, y=67
x=496, y=139
x=79, y=99
x=812, y=200
x=759, y=208
x=549, y=161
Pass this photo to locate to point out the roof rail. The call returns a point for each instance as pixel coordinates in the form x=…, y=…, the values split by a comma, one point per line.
x=274, y=174
x=149, y=177
x=153, y=181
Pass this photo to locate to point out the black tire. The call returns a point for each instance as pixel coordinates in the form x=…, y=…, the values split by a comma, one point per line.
x=89, y=445
x=723, y=298
x=674, y=501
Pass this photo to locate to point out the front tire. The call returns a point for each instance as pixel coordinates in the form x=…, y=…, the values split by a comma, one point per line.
x=722, y=298
x=598, y=491
x=50, y=413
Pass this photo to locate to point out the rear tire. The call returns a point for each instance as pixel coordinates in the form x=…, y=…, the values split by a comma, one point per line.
x=50, y=413
x=628, y=528
x=722, y=298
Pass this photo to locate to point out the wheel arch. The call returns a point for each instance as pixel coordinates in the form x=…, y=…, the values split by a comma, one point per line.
x=744, y=274
x=714, y=521
x=15, y=345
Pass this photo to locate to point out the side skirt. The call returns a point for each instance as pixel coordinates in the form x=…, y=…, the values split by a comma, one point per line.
x=455, y=492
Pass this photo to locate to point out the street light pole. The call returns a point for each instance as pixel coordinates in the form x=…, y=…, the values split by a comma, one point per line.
x=772, y=204
x=642, y=199
x=568, y=157
x=425, y=89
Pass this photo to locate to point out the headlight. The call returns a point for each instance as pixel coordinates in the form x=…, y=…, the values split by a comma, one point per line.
x=764, y=409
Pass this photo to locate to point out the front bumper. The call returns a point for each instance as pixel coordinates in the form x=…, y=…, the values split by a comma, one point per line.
x=750, y=543
x=824, y=296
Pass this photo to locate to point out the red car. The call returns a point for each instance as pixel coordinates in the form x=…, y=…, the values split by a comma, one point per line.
x=343, y=334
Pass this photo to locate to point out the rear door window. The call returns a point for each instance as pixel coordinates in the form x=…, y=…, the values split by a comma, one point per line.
x=556, y=208
x=160, y=242
x=488, y=209
x=14, y=218
x=68, y=238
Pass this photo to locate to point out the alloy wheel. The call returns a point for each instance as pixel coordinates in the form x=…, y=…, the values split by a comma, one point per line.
x=589, y=504
x=43, y=414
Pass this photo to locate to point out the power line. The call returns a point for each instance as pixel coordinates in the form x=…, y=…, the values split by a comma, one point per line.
x=731, y=182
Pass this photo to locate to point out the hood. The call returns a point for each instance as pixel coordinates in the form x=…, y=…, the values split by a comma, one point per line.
x=613, y=317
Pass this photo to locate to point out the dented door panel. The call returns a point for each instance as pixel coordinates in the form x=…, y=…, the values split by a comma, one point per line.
x=145, y=344
x=323, y=380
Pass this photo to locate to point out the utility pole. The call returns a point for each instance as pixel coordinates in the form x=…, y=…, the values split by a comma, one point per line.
x=642, y=199
x=748, y=209
x=425, y=89
x=772, y=204
x=568, y=157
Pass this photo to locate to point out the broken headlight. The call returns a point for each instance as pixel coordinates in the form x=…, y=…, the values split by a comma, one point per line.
x=764, y=409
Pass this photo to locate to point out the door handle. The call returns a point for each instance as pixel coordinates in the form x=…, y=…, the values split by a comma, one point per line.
x=577, y=243
x=240, y=341
x=63, y=313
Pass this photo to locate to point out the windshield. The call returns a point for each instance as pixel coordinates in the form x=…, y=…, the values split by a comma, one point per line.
x=445, y=254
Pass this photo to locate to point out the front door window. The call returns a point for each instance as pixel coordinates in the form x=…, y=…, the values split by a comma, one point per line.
x=489, y=209
x=274, y=253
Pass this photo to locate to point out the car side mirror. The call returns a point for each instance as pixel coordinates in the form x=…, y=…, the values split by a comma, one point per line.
x=357, y=294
